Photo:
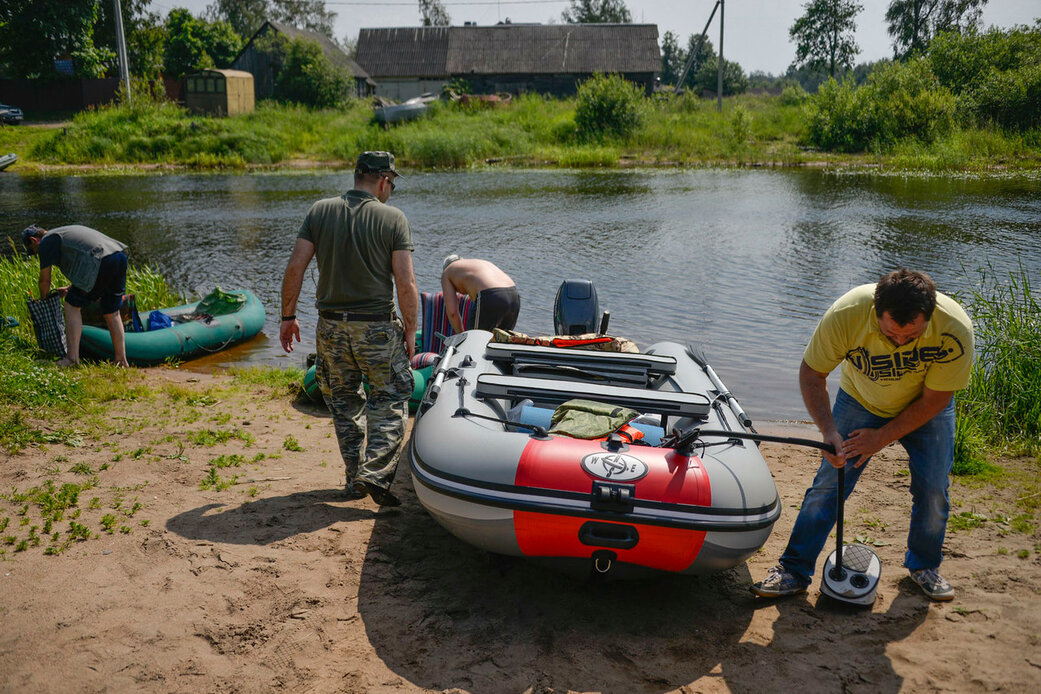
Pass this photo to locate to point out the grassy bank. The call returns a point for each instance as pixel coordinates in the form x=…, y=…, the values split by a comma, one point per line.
x=530, y=131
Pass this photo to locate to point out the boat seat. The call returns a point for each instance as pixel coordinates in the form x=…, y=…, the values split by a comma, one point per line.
x=554, y=392
x=556, y=362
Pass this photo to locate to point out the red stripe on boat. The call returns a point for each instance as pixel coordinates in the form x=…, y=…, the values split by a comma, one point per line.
x=556, y=464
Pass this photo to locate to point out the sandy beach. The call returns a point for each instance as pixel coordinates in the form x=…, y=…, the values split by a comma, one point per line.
x=275, y=583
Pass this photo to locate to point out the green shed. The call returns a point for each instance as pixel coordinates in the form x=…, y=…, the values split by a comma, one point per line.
x=219, y=92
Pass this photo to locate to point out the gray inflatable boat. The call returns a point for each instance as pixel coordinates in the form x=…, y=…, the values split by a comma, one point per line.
x=485, y=466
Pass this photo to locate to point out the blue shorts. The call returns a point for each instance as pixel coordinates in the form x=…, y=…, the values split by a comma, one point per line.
x=108, y=288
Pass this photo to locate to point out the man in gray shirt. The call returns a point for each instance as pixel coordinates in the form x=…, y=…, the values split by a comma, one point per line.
x=96, y=267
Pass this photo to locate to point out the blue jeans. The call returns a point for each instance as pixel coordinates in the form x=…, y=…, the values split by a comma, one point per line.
x=931, y=452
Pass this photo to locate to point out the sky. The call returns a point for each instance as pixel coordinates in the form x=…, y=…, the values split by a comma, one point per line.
x=755, y=31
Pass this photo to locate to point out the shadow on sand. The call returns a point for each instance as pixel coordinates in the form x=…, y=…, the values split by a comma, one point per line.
x=443, y=615
x=266, y=521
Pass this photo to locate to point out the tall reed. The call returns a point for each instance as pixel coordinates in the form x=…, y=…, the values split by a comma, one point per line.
x=1001, y=408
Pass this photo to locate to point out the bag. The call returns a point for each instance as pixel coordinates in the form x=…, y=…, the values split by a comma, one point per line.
x=220, y=303
x=157, y=320
x=48, y=324
x=587, y=419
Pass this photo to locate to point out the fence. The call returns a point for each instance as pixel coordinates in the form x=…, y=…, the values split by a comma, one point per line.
x=68, y=95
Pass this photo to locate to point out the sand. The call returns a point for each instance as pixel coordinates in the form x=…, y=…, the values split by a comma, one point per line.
x=276, y=584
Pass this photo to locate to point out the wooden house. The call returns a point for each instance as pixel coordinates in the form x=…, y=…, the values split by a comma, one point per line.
x=255, y=60
x=514, y=58
x=219, y=92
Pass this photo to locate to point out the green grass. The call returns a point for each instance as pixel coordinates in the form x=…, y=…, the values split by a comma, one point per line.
x=1000, y=411
x=282, y=382
x=531, y=130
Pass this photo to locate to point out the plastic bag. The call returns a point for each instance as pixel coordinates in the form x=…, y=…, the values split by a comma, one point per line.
x=588, y=419
x=157, y=320
x=48, y=324
x=220, y=303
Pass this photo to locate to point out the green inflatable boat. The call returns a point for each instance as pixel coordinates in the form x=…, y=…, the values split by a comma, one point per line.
x=420, y=377
x=187, y=339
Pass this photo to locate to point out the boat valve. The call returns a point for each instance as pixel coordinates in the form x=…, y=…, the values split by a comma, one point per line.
x=615, y=442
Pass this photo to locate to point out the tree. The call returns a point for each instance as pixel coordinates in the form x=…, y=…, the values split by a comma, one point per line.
x=705, y=53
x=824, y=35
x=434, y=13
x=597, y=12
x=195, y=44
x=144, y=33
x=246, y=16
x=914, y=23
x=35, y=32
x=671, y=58
x=706, y=77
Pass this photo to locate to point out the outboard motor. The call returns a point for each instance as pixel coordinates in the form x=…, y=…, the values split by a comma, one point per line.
x=576, y=310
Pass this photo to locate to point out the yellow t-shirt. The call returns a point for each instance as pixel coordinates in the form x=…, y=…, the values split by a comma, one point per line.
x=882, y=377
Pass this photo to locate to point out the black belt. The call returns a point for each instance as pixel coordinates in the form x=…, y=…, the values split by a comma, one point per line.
x=348, y=315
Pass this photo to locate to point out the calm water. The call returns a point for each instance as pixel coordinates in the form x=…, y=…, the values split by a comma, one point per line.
x=742, y=262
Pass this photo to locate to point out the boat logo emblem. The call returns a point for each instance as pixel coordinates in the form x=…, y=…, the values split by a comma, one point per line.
x=614, y=466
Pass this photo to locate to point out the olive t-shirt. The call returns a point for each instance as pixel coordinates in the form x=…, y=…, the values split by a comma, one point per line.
x=882, y=377
x=355, y=236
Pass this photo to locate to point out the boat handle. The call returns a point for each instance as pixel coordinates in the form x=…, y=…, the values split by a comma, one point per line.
x=611, y=535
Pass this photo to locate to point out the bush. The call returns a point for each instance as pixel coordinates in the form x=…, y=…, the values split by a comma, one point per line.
x=1009, y=98
x=997, y=73
x=607, y=105
x=307, y=77
x=900, y=101
x=793, y=95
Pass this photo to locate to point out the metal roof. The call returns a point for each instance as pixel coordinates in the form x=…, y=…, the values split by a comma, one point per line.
x=408, y=51
x=509, y=49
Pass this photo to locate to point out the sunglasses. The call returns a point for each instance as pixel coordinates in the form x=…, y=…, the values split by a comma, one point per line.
x=393, y=186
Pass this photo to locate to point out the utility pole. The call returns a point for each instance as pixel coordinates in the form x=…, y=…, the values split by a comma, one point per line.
x=121, y=44
x=718, y=65
x=697, y=47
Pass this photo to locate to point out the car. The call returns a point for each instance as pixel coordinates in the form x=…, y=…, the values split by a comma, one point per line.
x=10, y=115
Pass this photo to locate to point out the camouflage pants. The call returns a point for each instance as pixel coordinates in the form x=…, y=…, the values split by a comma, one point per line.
x=370, y=429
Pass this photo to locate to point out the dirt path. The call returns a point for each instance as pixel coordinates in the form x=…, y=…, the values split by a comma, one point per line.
x=276, y=584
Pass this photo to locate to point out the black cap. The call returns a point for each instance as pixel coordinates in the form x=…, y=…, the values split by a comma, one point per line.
x=29, y=232
x=375, y=162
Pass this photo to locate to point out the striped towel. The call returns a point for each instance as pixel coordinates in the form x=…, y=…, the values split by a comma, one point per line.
x=435, y=320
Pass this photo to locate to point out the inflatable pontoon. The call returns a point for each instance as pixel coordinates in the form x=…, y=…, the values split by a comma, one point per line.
x=683, y=495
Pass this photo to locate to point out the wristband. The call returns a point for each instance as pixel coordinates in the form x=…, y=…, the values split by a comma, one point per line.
x=285, y=318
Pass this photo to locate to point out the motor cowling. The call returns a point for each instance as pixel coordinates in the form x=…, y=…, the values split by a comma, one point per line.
x=576, y=310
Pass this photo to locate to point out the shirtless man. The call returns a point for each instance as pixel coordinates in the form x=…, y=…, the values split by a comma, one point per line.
x=498, y=301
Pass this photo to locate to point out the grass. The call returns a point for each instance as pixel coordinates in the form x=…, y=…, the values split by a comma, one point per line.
x=531, y=131
x=1000, y=411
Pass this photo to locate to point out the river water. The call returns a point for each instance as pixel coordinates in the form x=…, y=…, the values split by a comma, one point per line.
x=742, y=262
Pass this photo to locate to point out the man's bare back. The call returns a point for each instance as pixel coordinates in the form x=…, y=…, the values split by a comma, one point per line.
x=472, y=275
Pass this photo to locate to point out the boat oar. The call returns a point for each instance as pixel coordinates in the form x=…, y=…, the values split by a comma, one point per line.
x=439, y=375
x=698, y=355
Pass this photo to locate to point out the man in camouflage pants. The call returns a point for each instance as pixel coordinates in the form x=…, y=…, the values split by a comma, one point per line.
x=363, y=249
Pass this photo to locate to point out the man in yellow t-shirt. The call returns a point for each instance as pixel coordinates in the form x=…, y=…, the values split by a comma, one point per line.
x=905, y=349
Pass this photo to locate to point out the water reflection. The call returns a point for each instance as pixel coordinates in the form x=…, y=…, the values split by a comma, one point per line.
x=742, y=262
